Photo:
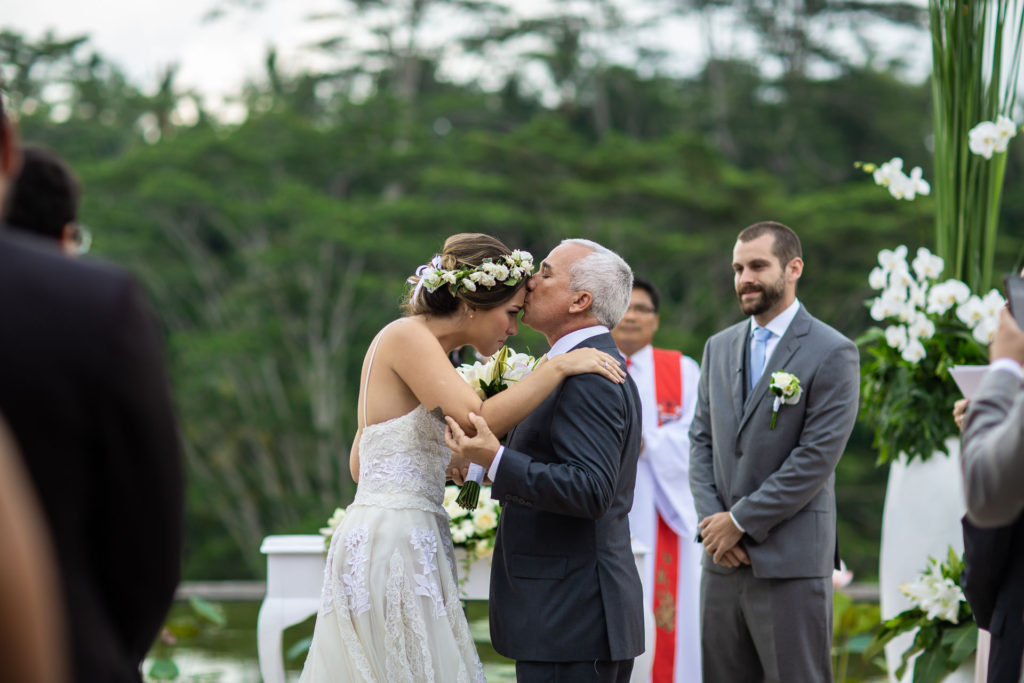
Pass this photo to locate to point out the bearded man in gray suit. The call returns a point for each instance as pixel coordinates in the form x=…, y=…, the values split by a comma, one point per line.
x=762, y=473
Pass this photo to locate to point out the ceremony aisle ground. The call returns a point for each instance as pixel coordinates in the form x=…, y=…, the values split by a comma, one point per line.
x=228, y=654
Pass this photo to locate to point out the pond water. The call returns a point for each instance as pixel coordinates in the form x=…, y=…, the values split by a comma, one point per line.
x=227, y=654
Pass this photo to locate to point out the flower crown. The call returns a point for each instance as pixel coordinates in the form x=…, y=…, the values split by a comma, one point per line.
x=508, y=270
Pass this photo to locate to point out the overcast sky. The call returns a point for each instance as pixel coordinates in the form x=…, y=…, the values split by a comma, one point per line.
x=216, y=57
x=144, y=36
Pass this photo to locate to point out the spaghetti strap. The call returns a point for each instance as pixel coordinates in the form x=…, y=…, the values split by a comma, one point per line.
x=369, y=367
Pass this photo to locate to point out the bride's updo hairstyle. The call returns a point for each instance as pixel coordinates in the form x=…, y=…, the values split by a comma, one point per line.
x=472, y=267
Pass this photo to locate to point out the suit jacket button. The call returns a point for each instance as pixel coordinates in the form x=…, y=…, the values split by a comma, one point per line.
x=739, y=454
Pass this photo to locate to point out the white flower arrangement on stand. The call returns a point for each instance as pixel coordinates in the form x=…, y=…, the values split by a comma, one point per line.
x=474, y=529
x=946, y=631
x=929, y=325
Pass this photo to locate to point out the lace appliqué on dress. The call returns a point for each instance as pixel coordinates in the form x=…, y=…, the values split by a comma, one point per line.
x=396, y=469
x=425, y=541
x=355, y=579
x=408, y=654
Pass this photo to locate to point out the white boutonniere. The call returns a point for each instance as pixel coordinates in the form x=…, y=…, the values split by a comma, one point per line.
x=786, y=388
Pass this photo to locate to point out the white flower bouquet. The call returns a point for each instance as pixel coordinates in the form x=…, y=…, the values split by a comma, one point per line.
x=501, y=371
x=946, y=631
x=927, y=326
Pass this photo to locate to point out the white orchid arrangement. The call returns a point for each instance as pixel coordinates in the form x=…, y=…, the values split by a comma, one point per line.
x=501, y=371
x=912, y=299
x=476, y=528
x=946, y=631
x=787, y=390
x=991, y=137
x=927, y=326
x=890, y=175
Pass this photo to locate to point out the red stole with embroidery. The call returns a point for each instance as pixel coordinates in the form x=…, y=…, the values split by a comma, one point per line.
x=668, y=391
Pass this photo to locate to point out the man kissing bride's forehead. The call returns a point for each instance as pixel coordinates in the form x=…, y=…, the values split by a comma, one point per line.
x=567, y=474
x=391, y=607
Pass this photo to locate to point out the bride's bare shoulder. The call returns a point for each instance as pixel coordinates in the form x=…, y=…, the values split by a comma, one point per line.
x=400, y=336
x=404, y=331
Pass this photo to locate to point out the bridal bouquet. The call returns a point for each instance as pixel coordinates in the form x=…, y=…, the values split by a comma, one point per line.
x=928, y=326
x=947, y=633
x=501, y=371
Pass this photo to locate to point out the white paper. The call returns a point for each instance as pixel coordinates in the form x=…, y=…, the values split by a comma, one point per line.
x=968, y=378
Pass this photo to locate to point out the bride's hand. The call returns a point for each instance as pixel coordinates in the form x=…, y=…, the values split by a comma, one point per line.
x=590, y=360
x=457, y=469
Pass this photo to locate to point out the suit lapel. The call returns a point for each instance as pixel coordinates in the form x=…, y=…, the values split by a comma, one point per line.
x=737, y=359
x=784, y=351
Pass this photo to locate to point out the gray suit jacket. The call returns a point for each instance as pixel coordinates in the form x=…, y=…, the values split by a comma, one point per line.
x=564, y=584
x=993, y=451
x=779, y=484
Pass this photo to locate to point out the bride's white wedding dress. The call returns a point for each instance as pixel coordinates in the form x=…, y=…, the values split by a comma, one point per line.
x=390, y=609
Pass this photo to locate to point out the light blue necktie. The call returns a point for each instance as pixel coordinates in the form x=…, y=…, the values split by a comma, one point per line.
x=757, y=352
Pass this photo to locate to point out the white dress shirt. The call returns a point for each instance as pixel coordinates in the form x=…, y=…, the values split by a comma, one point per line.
x=777, y=326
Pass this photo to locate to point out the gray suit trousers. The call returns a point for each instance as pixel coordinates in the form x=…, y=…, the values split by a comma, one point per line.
x=765, y=630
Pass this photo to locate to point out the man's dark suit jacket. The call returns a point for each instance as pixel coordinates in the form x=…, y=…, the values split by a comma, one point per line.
x=564, y=584
x=993, y=581
x=83, y=388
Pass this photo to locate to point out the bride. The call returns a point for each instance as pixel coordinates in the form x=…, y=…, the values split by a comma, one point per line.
x=390, y=609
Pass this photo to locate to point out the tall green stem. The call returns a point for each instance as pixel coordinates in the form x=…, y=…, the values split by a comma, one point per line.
x=971, y=82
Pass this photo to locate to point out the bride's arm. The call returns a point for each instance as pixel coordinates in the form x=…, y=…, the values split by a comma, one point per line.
x=431, y=377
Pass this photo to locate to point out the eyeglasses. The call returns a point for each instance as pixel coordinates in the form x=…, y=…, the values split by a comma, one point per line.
x=642, y=309
x=81, y=238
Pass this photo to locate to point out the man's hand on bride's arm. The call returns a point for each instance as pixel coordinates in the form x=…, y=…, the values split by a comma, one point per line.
x=479, y=449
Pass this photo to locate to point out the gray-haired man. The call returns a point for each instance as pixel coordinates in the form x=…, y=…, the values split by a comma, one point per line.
x=566, y=601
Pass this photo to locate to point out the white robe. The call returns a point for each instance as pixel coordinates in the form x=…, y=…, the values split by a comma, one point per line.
x=663, y=485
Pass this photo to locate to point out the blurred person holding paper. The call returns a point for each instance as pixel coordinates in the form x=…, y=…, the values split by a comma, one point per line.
x=993, y=463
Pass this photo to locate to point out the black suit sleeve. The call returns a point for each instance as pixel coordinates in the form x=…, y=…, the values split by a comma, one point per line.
x=986, y=554
x=588, y=427
x=141, y=515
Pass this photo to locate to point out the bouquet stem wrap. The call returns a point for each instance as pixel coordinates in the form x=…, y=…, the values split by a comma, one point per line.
x=469, y=496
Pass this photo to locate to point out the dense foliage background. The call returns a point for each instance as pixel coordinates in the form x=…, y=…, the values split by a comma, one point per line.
x=274, y=248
